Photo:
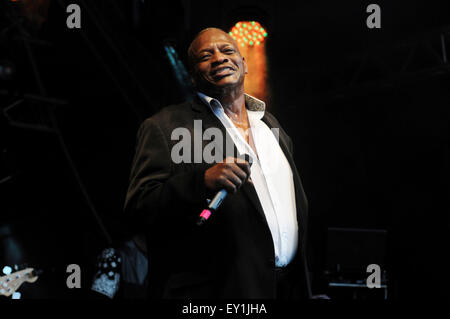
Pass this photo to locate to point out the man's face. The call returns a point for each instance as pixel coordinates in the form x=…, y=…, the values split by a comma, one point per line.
x=217, y=61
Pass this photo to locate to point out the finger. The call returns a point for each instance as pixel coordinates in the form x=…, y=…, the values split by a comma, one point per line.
x=229, y=186
x=244, y=165
x=239, y=172
x=235, y=179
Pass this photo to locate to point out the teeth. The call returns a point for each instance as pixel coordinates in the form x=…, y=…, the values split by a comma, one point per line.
x=220, y=70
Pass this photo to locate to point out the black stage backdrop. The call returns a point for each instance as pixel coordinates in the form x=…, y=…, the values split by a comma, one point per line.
x=367, y=110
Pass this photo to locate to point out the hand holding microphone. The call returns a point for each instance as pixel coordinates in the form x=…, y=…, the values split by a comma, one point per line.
x=225, y=177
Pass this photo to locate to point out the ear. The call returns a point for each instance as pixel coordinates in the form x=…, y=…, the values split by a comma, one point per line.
x=245, y=65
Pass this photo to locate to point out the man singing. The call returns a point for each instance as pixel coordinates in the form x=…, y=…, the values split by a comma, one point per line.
x=253, y=246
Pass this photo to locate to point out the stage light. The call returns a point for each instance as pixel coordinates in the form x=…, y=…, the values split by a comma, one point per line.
x=249, y=30
x=251, y=37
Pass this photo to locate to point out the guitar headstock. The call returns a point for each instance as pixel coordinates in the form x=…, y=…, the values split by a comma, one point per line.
x=10, y=283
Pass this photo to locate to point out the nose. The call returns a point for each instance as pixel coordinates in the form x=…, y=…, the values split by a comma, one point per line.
x=218, y=58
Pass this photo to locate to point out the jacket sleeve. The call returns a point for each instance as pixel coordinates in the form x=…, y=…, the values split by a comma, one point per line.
x=155, y=194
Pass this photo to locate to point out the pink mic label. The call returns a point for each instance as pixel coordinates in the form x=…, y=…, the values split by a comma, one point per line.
x=205, y=214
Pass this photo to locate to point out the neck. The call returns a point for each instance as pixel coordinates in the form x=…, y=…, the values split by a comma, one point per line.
x=233, y=102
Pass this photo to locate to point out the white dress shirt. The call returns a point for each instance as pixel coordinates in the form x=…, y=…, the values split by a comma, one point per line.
x=271, y=175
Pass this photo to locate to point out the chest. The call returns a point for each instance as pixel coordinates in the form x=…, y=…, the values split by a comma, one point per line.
x=245, y=130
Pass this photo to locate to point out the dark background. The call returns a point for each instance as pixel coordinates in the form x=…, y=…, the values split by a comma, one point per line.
x=367, y=109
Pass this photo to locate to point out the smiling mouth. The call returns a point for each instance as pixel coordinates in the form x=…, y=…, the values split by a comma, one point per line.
x=221, y=71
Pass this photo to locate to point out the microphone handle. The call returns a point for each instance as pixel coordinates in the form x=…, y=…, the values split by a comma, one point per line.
x=213, y=205
x=218, y=199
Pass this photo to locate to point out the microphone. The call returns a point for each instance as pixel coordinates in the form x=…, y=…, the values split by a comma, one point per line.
x=217, y=200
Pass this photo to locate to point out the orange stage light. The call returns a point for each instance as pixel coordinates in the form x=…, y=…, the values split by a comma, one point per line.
x=251, y=38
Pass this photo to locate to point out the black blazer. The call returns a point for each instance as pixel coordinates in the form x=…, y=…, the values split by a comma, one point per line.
x=230, y=256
